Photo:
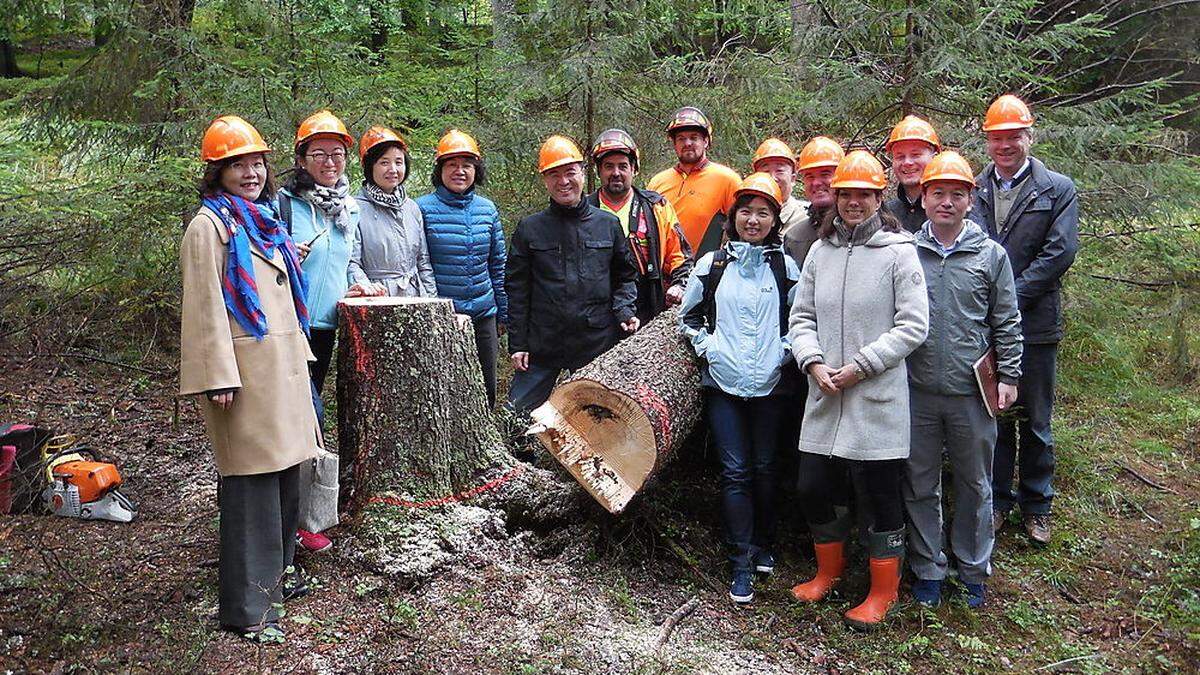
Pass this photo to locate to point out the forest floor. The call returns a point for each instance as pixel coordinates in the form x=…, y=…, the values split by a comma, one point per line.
x=1116, y=590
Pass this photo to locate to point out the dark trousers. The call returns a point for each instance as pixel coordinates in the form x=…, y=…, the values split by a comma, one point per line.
x=531, y=387
x=1024, y=441
x=258, y=541
x=320, y=341
x=827, y=483
x=487, y=346
x=746, y=432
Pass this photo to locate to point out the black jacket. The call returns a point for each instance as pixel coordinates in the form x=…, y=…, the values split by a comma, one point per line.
x=570, y=281
x=1041, y=237
x=910, y=215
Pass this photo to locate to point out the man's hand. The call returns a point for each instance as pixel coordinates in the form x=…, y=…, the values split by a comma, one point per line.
x=823, y=375
x=674, y=295
x=847, y=376
x=1008, y=396
x=520, y=361
x=631, y=325
x=223, y=401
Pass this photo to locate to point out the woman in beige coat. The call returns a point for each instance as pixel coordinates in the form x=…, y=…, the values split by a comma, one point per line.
x=243, y=350
x=860, y=309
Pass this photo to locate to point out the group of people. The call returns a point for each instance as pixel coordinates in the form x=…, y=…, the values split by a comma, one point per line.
x=867, y=315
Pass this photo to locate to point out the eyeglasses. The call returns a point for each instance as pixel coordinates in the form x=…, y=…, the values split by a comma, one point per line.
x=337, y=156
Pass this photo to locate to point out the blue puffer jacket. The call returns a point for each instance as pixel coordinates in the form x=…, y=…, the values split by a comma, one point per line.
x=327, y=266
x=466, y=246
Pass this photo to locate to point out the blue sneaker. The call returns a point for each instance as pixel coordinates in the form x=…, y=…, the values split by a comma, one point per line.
x=764, y=562
x=928, y=592
x=741, y=590
x=975, y=593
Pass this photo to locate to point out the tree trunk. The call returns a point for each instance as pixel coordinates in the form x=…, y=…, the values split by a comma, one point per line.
x=380, y=29
x=618, y=421
x=8, y=60
x=413, y=416
x=802, y=20
x=502, y=16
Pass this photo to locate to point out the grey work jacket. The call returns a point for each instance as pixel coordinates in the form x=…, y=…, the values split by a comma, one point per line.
x=972, y=306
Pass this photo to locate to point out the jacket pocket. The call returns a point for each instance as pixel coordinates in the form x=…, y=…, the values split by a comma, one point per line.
x=597, y=257
x=547, y=259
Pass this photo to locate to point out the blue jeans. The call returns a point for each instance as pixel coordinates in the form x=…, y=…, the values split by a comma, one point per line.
x=746, y=433
x=1028, y=420
x=530, y=388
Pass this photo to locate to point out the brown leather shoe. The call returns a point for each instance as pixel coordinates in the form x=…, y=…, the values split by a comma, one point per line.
x=999, y=520
x=1037, y=526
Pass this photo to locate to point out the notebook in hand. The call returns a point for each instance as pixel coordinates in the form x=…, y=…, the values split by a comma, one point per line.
x=989, y=384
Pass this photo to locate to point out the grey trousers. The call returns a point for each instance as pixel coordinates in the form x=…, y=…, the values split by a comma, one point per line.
x=258, y=542
x=961, y=426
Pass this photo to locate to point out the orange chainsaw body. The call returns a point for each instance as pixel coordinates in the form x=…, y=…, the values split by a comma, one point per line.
x=92, y=479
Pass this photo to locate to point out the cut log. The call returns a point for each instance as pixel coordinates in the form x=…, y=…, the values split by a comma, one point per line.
x=615, y=423
x=413, y=416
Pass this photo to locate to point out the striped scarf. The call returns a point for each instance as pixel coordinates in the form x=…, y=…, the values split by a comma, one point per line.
x=248, y=222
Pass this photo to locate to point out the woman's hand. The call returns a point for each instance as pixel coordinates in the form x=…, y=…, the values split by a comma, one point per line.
x=464, y=321
x=823, y=375
x=223, y=401
x=631, y=325
x=847, y=376
x=367, y=289
x=304, y=250
x=674, y=295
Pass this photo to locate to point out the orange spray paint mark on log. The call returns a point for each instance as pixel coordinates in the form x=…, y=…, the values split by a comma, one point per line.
x=650, y=400
x=449, y=499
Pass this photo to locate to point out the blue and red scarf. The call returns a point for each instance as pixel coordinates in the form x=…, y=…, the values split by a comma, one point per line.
x=255, y=222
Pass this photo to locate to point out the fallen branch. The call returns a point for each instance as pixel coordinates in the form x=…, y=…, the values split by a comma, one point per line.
x=118, y=364
x=1064, y=662
x=1133, y=282
x=1152, y=483
x=1139, y=508
x=672, y=621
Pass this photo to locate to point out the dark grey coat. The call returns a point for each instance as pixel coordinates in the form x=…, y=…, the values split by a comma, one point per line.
x=1041, y=237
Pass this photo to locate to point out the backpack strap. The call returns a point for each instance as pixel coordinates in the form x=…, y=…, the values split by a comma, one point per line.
x=783, y=284
x=710, y=282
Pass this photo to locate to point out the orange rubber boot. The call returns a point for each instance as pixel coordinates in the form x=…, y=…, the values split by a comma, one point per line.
x=831, y=563
x=885, y=586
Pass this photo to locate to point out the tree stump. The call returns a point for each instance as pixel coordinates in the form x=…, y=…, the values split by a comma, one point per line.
x=431, y=480
x=618, y=421
x=413, y=415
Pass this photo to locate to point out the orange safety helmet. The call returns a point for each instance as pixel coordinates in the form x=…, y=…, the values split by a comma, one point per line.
x=615, y=140
x=322, y=122
x=230, y=136
x=773, y=148
x=455, y=142
x=820, y=151
x=1007, y=112
x=557, y=151
x=860, y=170
x=913, y=128
x=689, y=117
x=762, y=185
x=375, y=136
x=948, y=165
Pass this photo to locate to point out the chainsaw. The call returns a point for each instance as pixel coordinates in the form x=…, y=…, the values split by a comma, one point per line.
x=81, y=487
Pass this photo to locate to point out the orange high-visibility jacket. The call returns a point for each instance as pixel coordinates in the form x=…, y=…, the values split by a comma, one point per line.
x=701, y=200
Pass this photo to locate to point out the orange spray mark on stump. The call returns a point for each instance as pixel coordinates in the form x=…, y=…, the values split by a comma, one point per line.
x=449, y=499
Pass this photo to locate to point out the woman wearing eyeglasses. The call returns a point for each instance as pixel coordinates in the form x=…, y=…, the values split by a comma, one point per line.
x=322, y=217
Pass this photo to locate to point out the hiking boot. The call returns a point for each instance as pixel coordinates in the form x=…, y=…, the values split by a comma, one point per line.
x=975, y=593
x=313, y=542
x=741, y=590
x=928, y=592
x=1037, y=526
x=999, y=520
x=295, y=585
x=831, y=563
x=764, y=562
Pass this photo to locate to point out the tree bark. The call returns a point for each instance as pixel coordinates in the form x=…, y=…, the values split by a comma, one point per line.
x=618, y=421
x=413, y=418
x=8, y=60
x=802, y=20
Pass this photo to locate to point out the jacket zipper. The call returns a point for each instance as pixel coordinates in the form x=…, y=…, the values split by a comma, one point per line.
x=842, y=332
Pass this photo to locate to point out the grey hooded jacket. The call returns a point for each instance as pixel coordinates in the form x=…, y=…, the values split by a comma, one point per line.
x=389, y=248
x=861, y=298
x=972, y=306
